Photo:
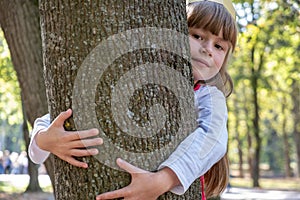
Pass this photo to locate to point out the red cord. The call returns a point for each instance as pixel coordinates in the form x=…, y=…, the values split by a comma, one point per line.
x=202, y=188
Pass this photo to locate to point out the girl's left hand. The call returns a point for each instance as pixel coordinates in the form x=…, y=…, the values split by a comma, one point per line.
x=144, y=184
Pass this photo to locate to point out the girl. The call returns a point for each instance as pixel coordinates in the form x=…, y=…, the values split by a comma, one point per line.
x=213, y=34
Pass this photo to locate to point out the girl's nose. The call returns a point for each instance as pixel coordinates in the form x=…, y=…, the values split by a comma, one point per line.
x=206, y=48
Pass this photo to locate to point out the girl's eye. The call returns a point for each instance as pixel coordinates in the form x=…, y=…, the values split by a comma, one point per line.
x=198, y=37
x=219, y=47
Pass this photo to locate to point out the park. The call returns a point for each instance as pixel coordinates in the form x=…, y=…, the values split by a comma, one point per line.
x=50, y=53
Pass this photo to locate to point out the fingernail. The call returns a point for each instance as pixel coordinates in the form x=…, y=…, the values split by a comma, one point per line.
x=96, y=131
x=100, y=141
x=94, y=151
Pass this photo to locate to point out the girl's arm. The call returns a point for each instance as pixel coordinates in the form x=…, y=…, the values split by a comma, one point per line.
x=66, y=145
x=192, y=158
x=36, y=154
x=206, y=145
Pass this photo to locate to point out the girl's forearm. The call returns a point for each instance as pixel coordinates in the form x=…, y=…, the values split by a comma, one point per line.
x=166, y=179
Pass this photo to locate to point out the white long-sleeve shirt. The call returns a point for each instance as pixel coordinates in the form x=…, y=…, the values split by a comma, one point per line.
x=195, y=155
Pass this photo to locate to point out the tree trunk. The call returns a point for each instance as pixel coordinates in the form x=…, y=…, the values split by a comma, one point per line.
x=19, y=20
x=33, y=185
x=250, y=155
x=237, y=135
x=257, y=143
x=296, y=116
x=240, y=145
x=255, y=120
x=286, y=146
x=103, y=59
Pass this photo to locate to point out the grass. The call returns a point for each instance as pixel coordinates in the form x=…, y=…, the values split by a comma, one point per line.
x=9, y=186
x=18, y=184
x=268, y=180
x=268, y=183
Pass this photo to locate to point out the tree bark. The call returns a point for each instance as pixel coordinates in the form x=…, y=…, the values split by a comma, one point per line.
x=71, y=31
x=19, y=20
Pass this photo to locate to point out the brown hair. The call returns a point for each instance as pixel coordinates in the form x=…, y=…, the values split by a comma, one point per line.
x=217, y=177
x=215, y=18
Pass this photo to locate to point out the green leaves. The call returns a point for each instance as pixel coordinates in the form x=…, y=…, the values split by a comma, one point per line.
x=268, y=50
x=10, y=101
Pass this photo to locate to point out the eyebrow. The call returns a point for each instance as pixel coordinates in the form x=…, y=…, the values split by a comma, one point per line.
x=222, y=40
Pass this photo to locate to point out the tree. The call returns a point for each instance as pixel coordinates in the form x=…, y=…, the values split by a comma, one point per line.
x=117, y=34
x=20, y=23
x=296, y=116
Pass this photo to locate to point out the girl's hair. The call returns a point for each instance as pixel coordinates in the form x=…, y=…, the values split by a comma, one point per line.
x=215, y=18
x=217, y=178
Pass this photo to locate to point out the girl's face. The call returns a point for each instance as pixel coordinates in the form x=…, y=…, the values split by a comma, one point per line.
x=208, y=53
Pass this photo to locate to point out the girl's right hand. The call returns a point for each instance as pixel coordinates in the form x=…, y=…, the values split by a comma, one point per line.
x=144, y=184
x=68, y=144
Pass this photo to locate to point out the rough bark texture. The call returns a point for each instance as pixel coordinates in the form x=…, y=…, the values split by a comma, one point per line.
x=70, y=31
x=19, y=20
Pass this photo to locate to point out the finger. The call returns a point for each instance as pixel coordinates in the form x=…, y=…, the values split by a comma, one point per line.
x=75, y=144
x=62, y=117
x=75, y=162
x=87, y=142
x=84, y=152
x=129, y=167
x=113, y=195
x=76, y=135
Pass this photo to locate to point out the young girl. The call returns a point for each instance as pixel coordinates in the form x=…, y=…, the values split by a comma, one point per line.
x=213, y=34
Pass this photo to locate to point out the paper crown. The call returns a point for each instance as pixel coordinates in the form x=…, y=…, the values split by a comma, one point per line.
x=226, y=3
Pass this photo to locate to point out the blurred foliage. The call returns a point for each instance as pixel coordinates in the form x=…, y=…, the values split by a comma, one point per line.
x=272, y=29
x=11, y=136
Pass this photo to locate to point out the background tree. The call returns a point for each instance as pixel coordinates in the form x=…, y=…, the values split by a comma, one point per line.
x=20, y=23
x=265, y=63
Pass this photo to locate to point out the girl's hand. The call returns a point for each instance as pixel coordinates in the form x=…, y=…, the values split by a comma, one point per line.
x=144, y=184
x=66, y=144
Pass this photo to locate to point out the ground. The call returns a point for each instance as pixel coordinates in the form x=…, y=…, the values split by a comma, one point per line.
x=232, y=194
x=27, y=196
x=12, y=187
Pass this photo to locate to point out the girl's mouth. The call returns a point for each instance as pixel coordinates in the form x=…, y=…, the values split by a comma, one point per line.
x=201, y=61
